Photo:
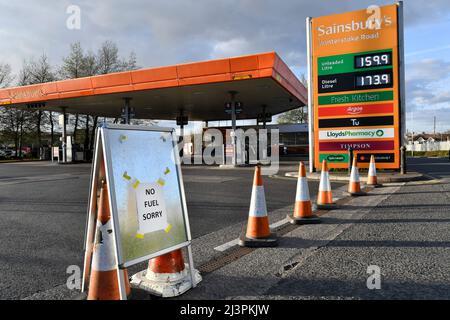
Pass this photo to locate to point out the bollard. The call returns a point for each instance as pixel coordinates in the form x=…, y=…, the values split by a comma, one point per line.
x=350, y=159
x=402, y=160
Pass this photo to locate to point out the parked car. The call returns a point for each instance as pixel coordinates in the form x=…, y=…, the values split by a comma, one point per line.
x=7, y=153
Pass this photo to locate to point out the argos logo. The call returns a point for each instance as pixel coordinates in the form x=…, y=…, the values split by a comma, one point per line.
x=354, y=110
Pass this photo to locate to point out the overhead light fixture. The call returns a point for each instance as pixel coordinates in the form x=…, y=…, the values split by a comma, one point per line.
x=242, y=77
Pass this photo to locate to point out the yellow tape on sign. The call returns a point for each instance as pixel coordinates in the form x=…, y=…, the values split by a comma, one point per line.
x=168, y=228
x=139, y=236
x=126, y=176
x=167, y=171
x=123, y=138
x=136, y=184
x=161, y=182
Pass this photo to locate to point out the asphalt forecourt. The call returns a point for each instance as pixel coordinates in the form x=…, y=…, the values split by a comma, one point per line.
x=45, y=226
x=389, y=244
x=255, y=271
x=399, y=232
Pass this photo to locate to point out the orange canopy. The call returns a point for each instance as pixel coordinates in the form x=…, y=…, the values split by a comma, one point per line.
x=200, y=89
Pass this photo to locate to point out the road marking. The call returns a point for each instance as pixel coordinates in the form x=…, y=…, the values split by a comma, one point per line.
x=235, y=242
x=278, y=224
x=227, y=245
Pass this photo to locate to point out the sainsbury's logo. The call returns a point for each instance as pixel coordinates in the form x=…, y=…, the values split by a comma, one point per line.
x=374, y=21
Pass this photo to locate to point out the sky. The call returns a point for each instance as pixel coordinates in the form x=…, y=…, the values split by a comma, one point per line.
x=163, y=32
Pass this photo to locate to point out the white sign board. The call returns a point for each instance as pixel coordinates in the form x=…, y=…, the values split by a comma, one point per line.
x=141, y=168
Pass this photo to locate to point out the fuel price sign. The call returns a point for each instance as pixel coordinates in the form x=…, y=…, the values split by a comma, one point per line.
x=356, y=85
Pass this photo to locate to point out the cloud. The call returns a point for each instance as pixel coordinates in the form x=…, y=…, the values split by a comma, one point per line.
x=166, y=32
x=428, y=94
x=229, y=48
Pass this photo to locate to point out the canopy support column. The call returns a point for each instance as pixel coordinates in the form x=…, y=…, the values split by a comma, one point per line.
x=64, y=135
x=126, y=111
x=233, y=126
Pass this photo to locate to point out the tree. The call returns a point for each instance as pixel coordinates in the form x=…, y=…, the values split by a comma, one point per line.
x=294, y=116
x=74, y=66
x=109, y=60
x=5, y=80
x=38, y=71
x=5, y=75
x=298, y=115
x=11, y=120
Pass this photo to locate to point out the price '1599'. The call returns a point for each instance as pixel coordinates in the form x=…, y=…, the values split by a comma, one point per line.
x=373, y=60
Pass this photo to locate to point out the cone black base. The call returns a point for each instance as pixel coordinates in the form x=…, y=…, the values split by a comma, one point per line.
x=327, y=206
x=378, y=185
x=270, y=241
x=357, y=194
x=298, y=220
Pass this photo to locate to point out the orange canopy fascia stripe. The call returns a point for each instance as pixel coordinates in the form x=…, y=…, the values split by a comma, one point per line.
x=264, y=65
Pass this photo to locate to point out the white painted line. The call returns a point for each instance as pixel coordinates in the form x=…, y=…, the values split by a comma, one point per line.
x=227, y=245
x=235, y=242
x=279, y=223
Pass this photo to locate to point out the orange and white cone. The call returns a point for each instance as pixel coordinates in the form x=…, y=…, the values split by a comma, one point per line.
x=372, y=175
x=325, y=196
x=303, y=211
x=167, y=276
x=103, y=283
x=258, y=231
x=354, y=186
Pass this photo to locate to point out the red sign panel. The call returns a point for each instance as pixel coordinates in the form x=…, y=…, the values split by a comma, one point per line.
x=356, y=110
x=356, y=145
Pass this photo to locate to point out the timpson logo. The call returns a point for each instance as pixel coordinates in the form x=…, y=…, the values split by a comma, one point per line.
x=25, y=94
x=370, y=24
x=354, y=110
x=355, y=145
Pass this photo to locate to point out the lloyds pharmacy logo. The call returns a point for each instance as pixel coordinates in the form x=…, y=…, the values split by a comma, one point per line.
x=354, y=134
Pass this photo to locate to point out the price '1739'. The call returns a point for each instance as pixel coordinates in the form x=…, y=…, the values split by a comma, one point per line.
x=373, y=80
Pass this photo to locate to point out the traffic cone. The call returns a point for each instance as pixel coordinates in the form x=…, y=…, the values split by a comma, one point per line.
x=372, y=176
x=258, y=231
x=354, y=186
x=325, y=196
x=103, y=283
x=166, y=276
x=303, y=206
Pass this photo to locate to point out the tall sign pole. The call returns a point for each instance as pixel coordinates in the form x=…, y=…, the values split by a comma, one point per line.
x=401, y=57
x=310, y=95
x=356, y=87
